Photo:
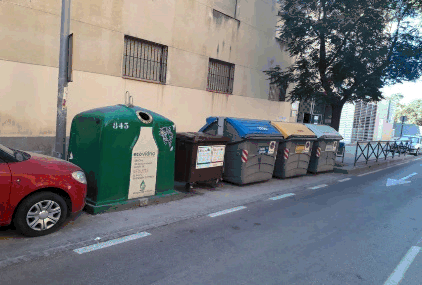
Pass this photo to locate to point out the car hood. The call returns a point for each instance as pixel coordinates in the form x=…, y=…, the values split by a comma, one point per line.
x=52, y=163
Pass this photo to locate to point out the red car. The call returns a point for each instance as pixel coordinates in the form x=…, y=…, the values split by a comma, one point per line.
x=37, y=192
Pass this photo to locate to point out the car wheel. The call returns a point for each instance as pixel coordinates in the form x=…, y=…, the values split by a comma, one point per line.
x=417, y=152
x=40, y=214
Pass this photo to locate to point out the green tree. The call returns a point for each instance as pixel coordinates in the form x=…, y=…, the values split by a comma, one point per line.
x=413, y=112
x=346, y=51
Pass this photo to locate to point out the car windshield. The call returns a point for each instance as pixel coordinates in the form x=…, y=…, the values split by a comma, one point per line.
x=413, y=140
x=7, y=150
x=16, y=154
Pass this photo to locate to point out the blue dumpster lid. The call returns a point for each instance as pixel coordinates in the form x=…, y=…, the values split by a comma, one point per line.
x=247, y=127
x=324, y=131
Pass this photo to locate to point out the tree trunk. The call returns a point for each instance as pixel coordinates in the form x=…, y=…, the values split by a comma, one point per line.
x=336, y=114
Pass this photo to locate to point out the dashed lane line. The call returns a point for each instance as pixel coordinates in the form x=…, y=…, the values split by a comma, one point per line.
x=318, y=186
x=226, y=211
x=371, y=172
x=282, y=196
x=345, y=179
x=110, y=243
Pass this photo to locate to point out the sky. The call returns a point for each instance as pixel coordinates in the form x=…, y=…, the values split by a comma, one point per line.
x=410, y=90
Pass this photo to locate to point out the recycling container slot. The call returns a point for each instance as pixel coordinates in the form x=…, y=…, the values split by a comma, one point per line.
x=145, y=117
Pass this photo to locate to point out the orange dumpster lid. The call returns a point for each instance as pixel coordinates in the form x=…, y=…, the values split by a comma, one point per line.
x=293, y=130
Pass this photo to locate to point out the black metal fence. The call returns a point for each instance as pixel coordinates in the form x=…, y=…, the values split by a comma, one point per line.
x=375, y=150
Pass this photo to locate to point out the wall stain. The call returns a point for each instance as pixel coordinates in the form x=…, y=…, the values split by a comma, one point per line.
x=11, y=126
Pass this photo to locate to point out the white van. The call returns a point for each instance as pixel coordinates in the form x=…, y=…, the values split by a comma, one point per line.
x=415, y=146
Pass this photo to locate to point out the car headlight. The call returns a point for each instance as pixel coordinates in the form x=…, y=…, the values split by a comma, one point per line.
x=79, y=176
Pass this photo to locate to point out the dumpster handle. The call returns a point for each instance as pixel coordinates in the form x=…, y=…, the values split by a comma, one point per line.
x=128, y=99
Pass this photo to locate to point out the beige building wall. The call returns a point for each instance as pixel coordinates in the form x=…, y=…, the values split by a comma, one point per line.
x=193, y=30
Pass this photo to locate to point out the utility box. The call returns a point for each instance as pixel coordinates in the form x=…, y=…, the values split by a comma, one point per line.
x=127, y=153
x=199, y=157
x=251, y=151
x=294, y=152
x=324, y=150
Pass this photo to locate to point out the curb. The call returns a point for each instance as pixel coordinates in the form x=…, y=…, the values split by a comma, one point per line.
x=372, y=165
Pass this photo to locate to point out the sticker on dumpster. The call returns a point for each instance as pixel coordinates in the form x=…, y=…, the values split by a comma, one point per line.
x=204, y=157
x=217, y=155
x=329, y=147
x=300, y=149
x=263, y=150
x=307, y=146
x=143, y=170
x=245, y=155
x=143, y=185
x=271, y=148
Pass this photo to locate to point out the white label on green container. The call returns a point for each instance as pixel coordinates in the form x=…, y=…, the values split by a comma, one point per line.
x=143, y=170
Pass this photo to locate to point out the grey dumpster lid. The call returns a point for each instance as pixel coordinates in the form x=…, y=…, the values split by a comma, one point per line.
x=324, y=131
x=201, y=137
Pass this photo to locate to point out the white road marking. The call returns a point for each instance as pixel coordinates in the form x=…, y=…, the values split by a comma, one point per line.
x=110, y=243
x=392, y=182
x=226, y=211
x=371, y=172
x=404, y=264
x=319, y=186
x=345, y=179
x=282, y=196
x=408, y=176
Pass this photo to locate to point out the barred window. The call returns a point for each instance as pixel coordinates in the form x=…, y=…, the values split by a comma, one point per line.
x=220, y=76
x=277, y=93
x=144, y=60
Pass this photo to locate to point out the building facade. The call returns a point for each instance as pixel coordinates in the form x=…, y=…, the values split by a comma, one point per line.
x=314, y=112
x=363, y=121
x=184, y=59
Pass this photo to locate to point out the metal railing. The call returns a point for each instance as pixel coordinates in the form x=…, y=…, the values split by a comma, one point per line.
x=379, y=149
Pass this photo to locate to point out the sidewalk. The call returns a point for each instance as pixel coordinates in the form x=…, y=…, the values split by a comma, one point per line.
x=348, y=167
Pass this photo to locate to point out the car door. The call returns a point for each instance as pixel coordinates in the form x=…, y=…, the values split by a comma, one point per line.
x=5, y=187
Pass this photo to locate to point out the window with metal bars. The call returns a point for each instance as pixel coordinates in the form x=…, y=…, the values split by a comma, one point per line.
x=277, y=93
x=220, y=76
x=144, y=60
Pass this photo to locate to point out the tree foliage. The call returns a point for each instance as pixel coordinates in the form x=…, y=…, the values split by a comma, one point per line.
x=347, y=50
x=413, y=112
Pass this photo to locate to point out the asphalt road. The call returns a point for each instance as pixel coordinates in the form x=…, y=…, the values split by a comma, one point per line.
x=358, y=231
